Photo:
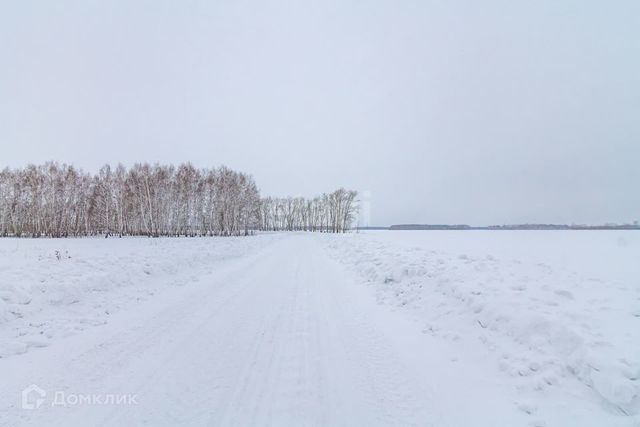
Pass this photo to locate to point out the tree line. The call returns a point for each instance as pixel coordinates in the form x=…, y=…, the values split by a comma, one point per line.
x=59, y=200
x=334, y=212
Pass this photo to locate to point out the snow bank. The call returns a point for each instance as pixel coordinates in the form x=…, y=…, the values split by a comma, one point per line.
x=52, y=288
x=547, y=318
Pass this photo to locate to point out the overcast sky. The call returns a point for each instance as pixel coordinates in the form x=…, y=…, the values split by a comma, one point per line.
x=476, y=112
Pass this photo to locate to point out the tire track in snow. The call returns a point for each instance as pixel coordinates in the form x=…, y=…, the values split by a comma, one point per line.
x=282, y=338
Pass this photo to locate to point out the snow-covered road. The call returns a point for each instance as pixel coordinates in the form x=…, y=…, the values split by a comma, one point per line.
x=281, y=337
x=308, y=329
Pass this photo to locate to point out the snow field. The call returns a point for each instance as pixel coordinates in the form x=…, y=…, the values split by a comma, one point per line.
x=399, y=328
x=559, y=311
x=53, y=288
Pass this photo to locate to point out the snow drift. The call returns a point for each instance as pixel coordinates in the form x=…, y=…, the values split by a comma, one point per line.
x=52, y=288
x=547, y=323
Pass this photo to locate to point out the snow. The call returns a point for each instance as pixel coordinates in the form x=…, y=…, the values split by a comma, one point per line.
x=435, y=328
x=557, y=309
x=53, y=288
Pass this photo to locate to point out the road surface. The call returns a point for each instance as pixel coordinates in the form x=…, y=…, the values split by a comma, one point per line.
x=282, y=337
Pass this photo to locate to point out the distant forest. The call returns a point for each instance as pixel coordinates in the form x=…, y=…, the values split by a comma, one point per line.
x=59, y=200
x=633, y=226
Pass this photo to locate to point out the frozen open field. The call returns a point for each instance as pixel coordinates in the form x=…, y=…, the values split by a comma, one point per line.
x=378, y=328
x=558, y=310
